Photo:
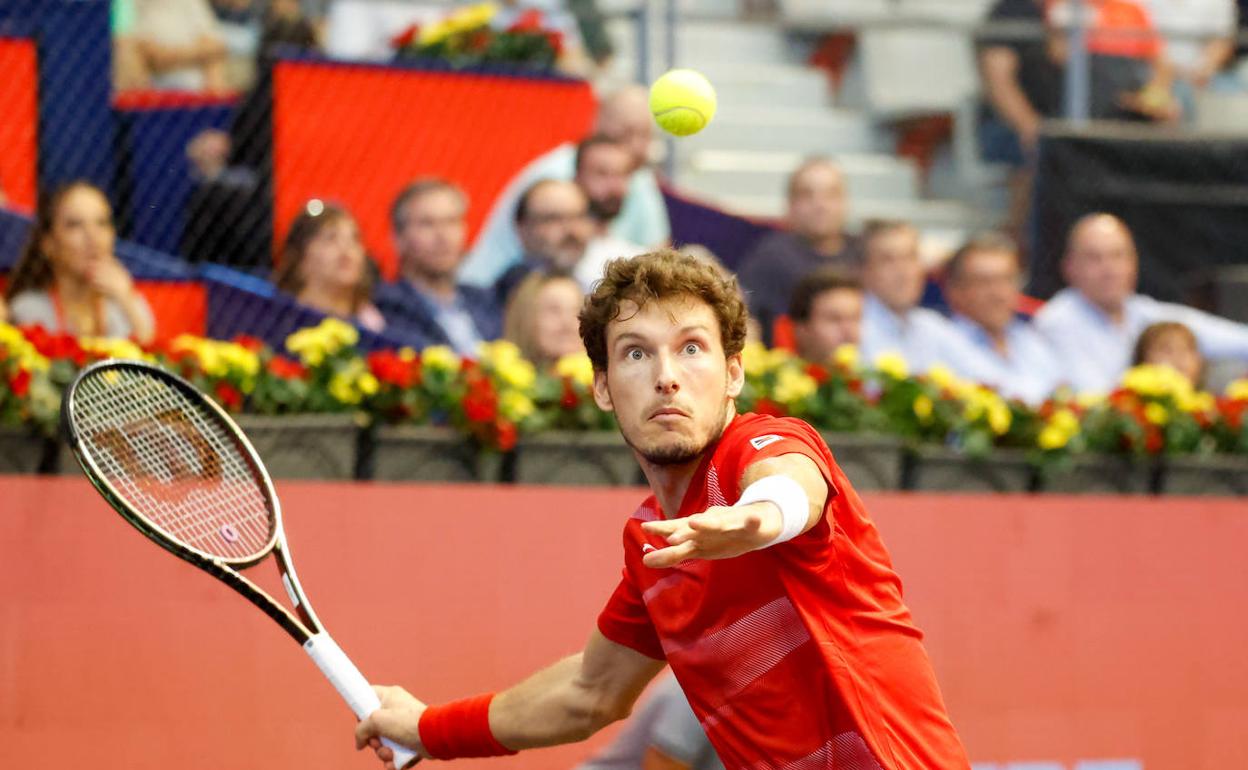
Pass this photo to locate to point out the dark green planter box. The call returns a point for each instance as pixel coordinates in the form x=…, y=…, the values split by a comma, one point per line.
x=424, y=453
x=1101, y=475
x=305, y=446
x=941, y=469
x=597, y=458
x=22, y=451
x=1219, y=476
x=869, y=462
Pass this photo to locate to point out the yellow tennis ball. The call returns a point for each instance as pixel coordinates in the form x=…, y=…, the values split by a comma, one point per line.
x=682, y=102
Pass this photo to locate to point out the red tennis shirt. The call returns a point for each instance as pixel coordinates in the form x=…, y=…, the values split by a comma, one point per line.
x=798, y=656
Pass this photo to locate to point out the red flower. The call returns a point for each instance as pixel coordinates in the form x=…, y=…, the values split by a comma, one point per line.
x=556, y=41
x=228, y=395
x=1153, y=441
x=817, y=372
x=389, y=368
x=569, y=399
x=480, y=40
x=406, y=37
x=286, y=369
x=507, y=435
x=529, y=21
x=254, y=344
x=1233, y=411
x=20, y=383
x=769, y=407
x=855, y=386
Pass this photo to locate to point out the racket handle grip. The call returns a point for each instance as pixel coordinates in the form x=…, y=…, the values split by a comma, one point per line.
x=353, y=688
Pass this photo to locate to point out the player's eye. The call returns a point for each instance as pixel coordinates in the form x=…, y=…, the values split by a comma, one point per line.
x=634, y=354
x=692, y=349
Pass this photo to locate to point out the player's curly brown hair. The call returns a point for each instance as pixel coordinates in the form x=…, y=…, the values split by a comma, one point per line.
x=659, y=275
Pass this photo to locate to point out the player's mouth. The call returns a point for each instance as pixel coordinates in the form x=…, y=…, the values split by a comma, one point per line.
x=668, y=413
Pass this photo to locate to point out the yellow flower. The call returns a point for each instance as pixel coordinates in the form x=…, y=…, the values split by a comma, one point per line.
x=1052, y=437
x=342, y=387
x=794, y=385
x=754, y=359
x=339, y=333
x=892, y=364
x=1065, y=420
x=1238, y=390
x=440, y=358
x=518, y=374
x=309, y=344
x=367, y=384
x=846, y=356
x=1089, y=399
x=1156, y=381
x=1156, y=413
x=576, y=367
x=407, y=354
x=112, y=347
x=1195, y=402
x=942, y=376
x=514, y=405
x=922, y=407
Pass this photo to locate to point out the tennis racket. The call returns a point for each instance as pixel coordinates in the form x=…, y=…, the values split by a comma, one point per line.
x=175, y=466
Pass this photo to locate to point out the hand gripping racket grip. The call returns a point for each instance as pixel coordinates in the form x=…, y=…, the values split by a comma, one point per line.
x=353, y=687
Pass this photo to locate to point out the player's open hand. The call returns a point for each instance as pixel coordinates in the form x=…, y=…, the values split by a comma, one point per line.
x=398, y=719
x=721, y=532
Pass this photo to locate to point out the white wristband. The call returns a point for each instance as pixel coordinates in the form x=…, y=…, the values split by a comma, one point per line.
x=789, y=497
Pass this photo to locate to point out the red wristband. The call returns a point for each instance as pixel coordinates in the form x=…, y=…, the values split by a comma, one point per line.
x=460, y=729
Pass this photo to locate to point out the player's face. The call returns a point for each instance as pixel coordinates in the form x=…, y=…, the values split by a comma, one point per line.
x=667, y=379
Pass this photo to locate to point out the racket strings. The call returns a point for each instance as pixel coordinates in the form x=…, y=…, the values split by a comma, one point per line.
x=175, y=462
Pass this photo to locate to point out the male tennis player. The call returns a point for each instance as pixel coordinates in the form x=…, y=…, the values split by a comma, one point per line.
x=753, y=570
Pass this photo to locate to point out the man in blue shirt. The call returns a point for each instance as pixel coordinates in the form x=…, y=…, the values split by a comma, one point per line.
x=982, y=281
x=1094, y=322
x=426, y=305
x=892, y=321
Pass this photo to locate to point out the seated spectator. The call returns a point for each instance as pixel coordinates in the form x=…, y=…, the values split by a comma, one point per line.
x=129, y=69
x=623, y=116
x=603, y=168
x=427, y=305
x=815, y=237
x=1171, y=344
x=982, y=281
x=181, y=45
x=68, y=279
x=325, y=267
x=893, y=322
x=552, y=218
x=239, y=22
x=542, y=318
x=662, y=734
x=1094, y=322
x=827, y=313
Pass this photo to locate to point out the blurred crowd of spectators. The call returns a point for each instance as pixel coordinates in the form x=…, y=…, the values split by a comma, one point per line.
x=813, y=285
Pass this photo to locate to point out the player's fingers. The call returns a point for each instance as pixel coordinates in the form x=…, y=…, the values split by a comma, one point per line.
x=385, y=754
x=670, y=556
x=364, y=731
x=682, y=535
x=374, y=743
x=663, y=528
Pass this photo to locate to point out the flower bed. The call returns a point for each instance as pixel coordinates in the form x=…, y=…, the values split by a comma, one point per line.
x=496, y=417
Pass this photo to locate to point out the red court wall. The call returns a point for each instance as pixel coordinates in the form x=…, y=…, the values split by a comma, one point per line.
x=19, y=122
x=1061, y=629
x=357, y=134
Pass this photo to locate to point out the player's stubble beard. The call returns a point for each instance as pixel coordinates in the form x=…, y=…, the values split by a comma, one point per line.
x=682, y=452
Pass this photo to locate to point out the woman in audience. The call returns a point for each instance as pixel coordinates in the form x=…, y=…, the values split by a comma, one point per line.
x=1174, y=345
x=325, y=267
x=68, y=279
x=541, y=317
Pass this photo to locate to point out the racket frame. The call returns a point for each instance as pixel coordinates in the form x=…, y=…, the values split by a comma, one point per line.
x=302, y=624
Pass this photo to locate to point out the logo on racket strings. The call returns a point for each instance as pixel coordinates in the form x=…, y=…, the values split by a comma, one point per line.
x=166, y=448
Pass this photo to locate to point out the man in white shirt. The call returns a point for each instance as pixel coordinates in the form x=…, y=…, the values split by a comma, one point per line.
x=1094, y=322
x=892, y=321
x=982, y=281
x=623, y=116
x=603, y=169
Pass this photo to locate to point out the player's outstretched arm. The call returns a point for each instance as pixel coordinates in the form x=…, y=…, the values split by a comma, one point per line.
x=568, y=702
x=793, y=493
